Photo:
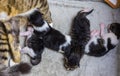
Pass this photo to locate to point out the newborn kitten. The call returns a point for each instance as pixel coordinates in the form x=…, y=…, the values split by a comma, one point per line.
x=101, y=43
x=34, y=46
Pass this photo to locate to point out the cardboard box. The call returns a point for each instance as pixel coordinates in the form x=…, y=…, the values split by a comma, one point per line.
x=113, y=3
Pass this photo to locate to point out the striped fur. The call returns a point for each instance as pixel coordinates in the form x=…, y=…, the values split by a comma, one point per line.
x=14, y=7
x=4, y=47
x=9, y=40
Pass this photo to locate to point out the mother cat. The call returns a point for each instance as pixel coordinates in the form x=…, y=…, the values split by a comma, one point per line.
x=14, y=7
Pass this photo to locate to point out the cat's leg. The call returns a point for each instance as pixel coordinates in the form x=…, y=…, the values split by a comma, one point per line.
x=95, y=33
x=22, y=38
x=25, y=34
x=34, y=58
x=29, y=51
x=102, y=26
x=28, y=32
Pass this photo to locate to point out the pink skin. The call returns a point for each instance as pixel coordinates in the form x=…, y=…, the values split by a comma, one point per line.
x=85, y=10
x=98, y=32
x=27, y=34
x=102, y=26
x=95, y=33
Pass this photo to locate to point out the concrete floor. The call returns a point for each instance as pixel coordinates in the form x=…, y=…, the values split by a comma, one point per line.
x=84, y=0
x=63, y=12
x=91, y=0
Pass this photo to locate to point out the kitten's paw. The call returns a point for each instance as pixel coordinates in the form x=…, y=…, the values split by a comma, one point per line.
x=35, y=61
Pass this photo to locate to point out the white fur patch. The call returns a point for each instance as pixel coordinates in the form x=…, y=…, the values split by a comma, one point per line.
x=113, y=38
x=12, y=63
x=3, y=15
x=28, y=13
x=42, y=28
x=29, y=51
x=68, y=41
x=51, y=24
x=94, y=40
x=61, y=51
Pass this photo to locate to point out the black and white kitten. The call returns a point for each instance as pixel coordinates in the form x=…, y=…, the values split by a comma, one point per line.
x=53, y=39
x=34, y=46
x=101, y=43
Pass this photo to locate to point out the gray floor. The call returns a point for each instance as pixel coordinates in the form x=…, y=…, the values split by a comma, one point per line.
x=91, y=0
x=63, y=12
x=85, y=0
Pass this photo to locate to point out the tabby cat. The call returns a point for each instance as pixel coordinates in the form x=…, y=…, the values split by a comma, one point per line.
x=9, y=40
x=14, y=7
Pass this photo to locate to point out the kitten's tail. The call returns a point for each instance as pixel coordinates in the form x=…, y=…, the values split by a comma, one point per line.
x=84, y=13
x=22, y=68
x=87, y=13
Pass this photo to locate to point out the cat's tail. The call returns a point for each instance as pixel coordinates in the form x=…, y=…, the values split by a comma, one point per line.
x=88, y=12
x=16, y=70
x=84, y=13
